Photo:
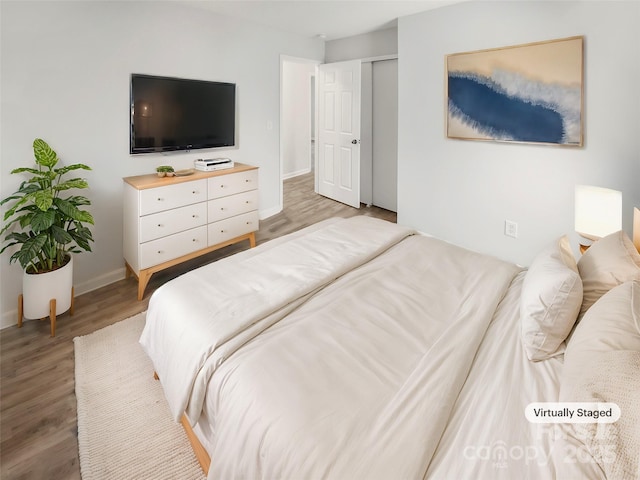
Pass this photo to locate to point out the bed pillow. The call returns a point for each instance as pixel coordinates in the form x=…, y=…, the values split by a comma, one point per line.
x=609, y=262
x=550, y=301
x=601, y=364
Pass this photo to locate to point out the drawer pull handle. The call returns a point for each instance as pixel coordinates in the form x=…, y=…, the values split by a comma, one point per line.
x=247, y=180
x=194, y=192
x=160, y=225
x=221, y=231
x=194, y=240
x=160, y=252
x=221, y=186
x=221, y=208
x=194, y=216
x=160, y=199
x=247, y=201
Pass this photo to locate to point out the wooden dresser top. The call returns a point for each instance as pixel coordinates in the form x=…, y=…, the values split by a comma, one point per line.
x=152, y=180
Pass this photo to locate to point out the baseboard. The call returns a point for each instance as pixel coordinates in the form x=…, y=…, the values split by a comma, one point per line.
x=295, y=174
x=10, y=318
x=269, y=212
x=101, y=281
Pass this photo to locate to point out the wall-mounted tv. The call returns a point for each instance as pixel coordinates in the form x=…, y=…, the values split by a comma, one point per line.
x=169, y=114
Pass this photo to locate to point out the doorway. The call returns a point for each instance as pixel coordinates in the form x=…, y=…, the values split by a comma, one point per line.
x=379, y=113
x=297, y=112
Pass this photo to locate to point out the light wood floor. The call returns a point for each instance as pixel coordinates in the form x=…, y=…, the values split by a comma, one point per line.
x=38, y=428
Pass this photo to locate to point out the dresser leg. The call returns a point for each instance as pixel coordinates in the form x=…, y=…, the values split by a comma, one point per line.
x=143, y=280
x=252, y=239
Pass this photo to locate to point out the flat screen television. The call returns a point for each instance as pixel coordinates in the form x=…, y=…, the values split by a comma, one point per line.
x=170, y=114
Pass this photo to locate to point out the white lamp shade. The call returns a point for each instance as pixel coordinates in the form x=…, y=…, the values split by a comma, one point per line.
x=598, y=211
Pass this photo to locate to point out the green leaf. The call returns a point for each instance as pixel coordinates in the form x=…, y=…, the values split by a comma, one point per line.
x=26, y=188
x=82, y=236
x=66, y=207
x=11, y=212
x=60, y=235
x=43, y=199
x=85, y=217
x=68, y=168
x=32, y=171
x=73, y=183
x=70, y=210
x=42, y=220
x=79, y=200
x=44, y=154
x=30, y=249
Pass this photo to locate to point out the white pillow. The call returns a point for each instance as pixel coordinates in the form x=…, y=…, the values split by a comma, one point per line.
x=609, y=262
x=601, y=364
x=550, y=301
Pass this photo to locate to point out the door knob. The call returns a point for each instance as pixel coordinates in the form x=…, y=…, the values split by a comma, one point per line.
x=354, y=141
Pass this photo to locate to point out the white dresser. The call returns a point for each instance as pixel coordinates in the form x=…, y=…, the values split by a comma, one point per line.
x=173, y=219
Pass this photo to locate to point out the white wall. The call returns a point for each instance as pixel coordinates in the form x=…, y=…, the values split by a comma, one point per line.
x=296, y=116
x=65, y=78
x=373, y=44
x=462, y=191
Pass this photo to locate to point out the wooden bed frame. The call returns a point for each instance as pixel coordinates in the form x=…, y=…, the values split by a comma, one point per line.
x=201, y=453
x=198, y=448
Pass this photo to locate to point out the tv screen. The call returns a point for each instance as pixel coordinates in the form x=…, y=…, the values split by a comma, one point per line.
x=169, y=114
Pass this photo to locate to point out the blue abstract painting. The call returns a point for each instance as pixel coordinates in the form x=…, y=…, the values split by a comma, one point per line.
x=530, y=93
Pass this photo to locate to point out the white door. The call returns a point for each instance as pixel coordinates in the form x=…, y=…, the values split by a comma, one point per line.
x=338, y=174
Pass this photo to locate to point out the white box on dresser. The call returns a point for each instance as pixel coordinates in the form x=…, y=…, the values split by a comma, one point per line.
x=170, y=220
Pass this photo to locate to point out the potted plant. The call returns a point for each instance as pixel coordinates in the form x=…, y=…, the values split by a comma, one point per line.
x=47, y=226
x=165, y=170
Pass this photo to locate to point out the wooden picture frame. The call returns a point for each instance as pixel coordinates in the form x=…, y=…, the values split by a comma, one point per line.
x=531, y=93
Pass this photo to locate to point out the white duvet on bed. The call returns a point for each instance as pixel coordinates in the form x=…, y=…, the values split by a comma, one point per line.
x=199, y=319
x=354, y=382
x=488, y=436
x=379, y=371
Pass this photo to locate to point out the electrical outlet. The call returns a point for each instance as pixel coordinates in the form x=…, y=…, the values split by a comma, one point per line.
x=510, y=229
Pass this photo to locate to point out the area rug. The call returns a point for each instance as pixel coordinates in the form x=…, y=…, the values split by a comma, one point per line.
x=125, y=430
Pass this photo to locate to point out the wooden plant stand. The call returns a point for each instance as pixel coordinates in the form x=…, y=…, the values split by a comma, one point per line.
x=52, y=311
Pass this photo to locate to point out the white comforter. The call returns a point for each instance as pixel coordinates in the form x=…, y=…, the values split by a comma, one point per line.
x=355, y=375
x=198, y=320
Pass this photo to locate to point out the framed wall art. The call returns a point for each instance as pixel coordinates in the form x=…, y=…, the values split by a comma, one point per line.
x=529, y=93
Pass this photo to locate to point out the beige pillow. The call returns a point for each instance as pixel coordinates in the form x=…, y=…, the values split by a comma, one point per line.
x=602, y=364
x=550, y=301
x=606, y=264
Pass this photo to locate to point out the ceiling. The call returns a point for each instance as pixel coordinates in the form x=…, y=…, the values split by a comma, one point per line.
x=330, y=19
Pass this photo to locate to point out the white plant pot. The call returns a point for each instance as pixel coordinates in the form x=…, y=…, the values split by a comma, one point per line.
x=39, y=289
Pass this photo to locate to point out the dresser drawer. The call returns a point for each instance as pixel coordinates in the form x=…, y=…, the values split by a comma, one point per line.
x=174, y=246
x=233, y=183
x=232, y=205
x=158, y=199
x=166, y=223
x=233, y=227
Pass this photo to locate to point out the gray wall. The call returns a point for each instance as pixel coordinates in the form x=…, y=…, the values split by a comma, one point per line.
x=462, y=191
x=65, y=78
x=374, y=44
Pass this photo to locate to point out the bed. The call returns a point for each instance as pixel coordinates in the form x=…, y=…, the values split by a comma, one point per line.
x=357, y=348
